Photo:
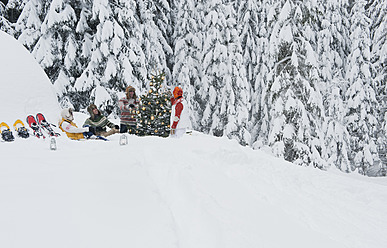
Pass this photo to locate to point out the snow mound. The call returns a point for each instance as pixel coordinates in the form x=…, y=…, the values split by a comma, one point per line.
x=24, y=87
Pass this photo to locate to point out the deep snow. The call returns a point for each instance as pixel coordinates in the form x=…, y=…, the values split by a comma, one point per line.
x=198, y=191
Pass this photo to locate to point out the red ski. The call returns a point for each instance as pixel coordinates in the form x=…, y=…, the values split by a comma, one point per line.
x=45, y=125
x=35, y=127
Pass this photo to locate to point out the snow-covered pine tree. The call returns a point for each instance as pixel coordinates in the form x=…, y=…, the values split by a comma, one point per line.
x=76, y=57
x=187, y=70
x=108, y=67
x=361, y=100
x=337, y=138
x=57, y=42
x=378, y=14
x=28, y=25
x=297, y=109
x=133, y=59
x=162, y=17
x=153, y=44
x=56, y=48
x=333, y=39
x=254, y=34
x=5, y=25
x=225, y=87
x=13, y=9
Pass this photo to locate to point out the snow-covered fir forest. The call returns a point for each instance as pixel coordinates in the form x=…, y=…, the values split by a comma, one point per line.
x=305, y=78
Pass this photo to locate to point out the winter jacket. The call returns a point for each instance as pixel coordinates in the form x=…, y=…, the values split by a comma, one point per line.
x=72, y=131
x=128, y=114
x=179, y=114
x=98, y=120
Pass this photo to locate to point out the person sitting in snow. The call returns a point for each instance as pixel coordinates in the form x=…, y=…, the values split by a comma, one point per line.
x=70, y=128
x=128, y=106
x=100, y=122
x=179, y=114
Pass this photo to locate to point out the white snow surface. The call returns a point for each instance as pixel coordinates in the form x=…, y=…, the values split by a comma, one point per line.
x=195, y=192
x=24, y=87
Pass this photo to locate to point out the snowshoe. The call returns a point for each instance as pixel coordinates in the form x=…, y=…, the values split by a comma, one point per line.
x=20, y=129
x=6, y=133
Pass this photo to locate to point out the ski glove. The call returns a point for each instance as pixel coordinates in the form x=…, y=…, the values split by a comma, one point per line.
x=117, y=127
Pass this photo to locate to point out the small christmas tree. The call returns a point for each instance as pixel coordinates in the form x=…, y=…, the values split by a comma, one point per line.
x=155, y=109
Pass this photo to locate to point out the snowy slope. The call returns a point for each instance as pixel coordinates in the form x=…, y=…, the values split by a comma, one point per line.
x=194, y=192
x=24, y=87
x=198, y=191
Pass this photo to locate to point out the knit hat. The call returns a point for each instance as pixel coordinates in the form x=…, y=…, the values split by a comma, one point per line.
x=177, y=92
x=90, y=110
x=67, y=114
x=130, y=88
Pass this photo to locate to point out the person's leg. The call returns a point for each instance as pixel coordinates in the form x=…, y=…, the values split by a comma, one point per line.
x=179, y=132
x=123, y=128
x=110, y=132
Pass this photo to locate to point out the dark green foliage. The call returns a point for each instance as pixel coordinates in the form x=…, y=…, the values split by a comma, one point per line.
x=155, y=109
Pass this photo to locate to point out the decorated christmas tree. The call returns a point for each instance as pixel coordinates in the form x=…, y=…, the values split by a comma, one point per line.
x=155, y=108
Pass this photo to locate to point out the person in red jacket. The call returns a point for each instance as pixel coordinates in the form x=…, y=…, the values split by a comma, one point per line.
x=179, y=113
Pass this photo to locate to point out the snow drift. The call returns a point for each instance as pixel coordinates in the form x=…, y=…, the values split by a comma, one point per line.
x=24, y=87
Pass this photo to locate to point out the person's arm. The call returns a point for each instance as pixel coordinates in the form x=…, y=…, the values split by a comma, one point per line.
x=137, y=103
x=87, y=122
x=71, y=129
x=111, y=124
x=122, y=105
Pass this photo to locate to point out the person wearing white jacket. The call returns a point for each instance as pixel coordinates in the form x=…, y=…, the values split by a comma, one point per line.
x=179, y=114
x=70, y=128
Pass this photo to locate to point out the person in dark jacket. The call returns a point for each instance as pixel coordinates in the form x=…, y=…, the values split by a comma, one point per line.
x=100, y=122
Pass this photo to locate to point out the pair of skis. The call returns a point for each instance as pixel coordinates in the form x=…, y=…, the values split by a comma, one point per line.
x=39, y=124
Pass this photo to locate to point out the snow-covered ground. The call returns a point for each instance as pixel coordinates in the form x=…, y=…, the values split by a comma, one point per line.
x=195, y=192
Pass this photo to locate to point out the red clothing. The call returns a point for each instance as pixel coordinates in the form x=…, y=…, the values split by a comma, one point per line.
x=178, y=109
x=128, y=114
